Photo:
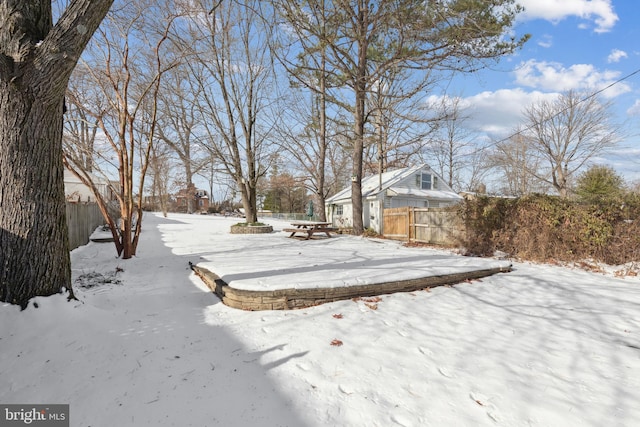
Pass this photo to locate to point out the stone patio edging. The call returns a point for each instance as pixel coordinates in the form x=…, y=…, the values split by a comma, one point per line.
x=251, y=229
x=287, y=299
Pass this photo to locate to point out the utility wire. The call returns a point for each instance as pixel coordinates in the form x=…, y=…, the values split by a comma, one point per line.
x=586, y=98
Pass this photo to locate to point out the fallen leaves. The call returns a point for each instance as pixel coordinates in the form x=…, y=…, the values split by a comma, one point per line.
x=337, y=316
x=336, y=343
x=625, y=272
x=370, y=302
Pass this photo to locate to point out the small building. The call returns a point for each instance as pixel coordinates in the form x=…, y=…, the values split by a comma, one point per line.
x=417, y=186
x=198, y=198
x=76, y=191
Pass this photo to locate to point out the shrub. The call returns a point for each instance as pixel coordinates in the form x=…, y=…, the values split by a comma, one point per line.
x=541, y=227
x=599, y=184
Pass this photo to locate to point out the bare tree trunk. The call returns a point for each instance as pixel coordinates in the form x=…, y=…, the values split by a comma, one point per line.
x=34, y=248
x=320, y=194
x=248, y=201
x=360, y=88
x=36, y=60
x=356, y=166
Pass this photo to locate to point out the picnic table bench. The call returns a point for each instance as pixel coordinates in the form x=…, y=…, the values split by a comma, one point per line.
x=309, y=228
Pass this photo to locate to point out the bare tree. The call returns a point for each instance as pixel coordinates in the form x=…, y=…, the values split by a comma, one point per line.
x=400, y=122
x=178, y=121
x=307, y=141
x=79, y=126
x=125, y=63
x=451, y=147
x=160, y=176
x=36, y=60
x=309, y=72
x=233, y=71
x=517, y=164
x=567, y=133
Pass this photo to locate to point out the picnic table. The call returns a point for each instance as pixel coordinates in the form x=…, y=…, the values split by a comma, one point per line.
x=309, y=228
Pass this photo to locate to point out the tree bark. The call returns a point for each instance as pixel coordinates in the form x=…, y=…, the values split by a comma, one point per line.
x=360, y=89
x=36, y=60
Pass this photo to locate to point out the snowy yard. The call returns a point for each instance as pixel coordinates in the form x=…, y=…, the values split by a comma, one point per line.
x=147, y=344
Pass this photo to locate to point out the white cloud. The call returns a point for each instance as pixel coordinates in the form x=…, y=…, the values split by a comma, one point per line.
x=616, y=55
x=545, y=41
x=497, y=113
x=543, y=75
x=634, y=110
x=599, y=11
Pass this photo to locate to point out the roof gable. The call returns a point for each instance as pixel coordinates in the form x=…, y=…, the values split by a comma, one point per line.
x=375, y=184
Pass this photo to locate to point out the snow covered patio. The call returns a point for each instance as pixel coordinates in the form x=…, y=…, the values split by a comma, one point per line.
x=148, y=344
x=272, y=271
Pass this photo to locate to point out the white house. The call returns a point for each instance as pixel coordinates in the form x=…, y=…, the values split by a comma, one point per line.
x=417, y=186
x=76, y=191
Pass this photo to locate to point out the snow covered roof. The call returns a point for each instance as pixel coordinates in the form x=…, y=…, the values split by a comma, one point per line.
x=431, y=194
x=371, y=186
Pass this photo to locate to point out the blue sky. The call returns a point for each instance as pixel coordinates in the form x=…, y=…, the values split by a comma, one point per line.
x=575, y=44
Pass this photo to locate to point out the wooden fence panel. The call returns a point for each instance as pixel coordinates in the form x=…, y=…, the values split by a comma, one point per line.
x=82, y=220
x=396, y=223
x=435, y=225
x=424, y=225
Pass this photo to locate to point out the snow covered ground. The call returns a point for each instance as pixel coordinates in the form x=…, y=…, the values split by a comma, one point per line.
x=147, y=344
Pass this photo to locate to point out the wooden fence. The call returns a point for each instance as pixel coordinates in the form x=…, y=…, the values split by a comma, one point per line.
x=439, y=226
x=82, y=220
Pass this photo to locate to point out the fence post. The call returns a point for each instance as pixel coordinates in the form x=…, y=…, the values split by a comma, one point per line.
x=408, y=223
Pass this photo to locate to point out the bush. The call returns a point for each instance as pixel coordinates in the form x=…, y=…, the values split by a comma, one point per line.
x=541, y=227
x=599, y=184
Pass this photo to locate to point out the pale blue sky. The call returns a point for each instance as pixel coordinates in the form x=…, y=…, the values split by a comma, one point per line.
x=575, y=44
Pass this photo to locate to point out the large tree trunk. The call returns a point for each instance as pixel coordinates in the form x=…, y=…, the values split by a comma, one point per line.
x=36, y=60
x=356, y=178
x=249, y=202
x=34, y=248
x=360, y=89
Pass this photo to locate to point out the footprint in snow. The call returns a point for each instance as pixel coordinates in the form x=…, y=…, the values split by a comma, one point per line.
x=444, y=372
x=400, y=420
x=303, y=367
x=345, y=389
x=425, y=351
x=484, y=401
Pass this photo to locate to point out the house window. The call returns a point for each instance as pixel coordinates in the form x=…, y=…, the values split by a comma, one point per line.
x=339, y=210
x=425, y=182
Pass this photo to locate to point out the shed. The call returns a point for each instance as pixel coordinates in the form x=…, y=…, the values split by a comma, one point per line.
x=417, y=186
x=76, y=191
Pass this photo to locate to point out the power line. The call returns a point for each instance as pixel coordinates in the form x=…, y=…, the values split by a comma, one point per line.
x=586, y=98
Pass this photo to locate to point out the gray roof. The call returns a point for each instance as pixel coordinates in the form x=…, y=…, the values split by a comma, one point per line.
x=371, y=186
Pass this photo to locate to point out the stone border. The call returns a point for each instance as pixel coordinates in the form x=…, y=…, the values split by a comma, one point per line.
x=286, y=299
x=251, y=229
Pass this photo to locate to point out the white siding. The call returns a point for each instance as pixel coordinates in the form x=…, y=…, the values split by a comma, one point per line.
x=75, y=190
x=375, y=215
x=344, y=220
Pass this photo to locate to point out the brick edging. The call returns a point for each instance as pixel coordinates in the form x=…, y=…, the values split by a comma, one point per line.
x=286, y=299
